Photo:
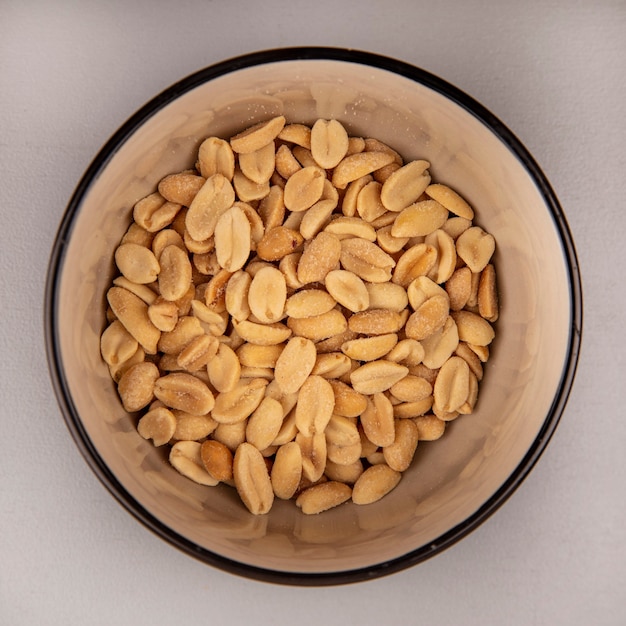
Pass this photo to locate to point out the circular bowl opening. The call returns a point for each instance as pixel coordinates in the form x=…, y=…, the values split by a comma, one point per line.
x=454, y=483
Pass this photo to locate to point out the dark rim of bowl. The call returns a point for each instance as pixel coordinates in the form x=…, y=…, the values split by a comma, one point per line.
x=73, y=420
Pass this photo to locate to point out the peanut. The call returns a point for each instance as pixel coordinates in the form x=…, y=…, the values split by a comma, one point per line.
x=297, y=312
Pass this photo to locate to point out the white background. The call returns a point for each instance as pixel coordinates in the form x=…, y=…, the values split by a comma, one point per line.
x=71, y=72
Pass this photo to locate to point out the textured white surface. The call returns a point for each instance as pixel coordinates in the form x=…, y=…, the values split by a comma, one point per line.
x=72, y=72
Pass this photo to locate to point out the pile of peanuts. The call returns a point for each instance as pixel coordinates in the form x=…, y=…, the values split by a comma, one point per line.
x=295, y=314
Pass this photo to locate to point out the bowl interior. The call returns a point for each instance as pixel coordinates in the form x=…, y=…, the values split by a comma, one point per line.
x=451, y=479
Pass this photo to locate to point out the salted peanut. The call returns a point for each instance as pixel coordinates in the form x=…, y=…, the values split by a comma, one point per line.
x=446, y=255
x=424, y=372
x=349, y=202
x=175, y=275
x=409, y=410
x=278, y=242
x=405, y=185
x=224, y=369
x=440, y=346
x=407, y=352
x=366, y=260
x=215, y=156
x=271, y=209
x=420, y=218
x=262, y=334
x=267, y=295
x=317, y=217
x=258, y=166
x=117, y=344
x=429, y=427
x=347, y=289
x=422, y=289
x=257, y=229
x=314, y=408
x=192, y=427
x=348, y=402
x=132, y=312
x=355, y=145
x=458, y=288
x=250, y=355
x=471, y=358
x=455, y=226
x=411, y=389
x=322, y=497
x=376, y=322
x=482, y=352
x=158, y=424
x=136, y=386
x=334, y=342
x=476, y=248
x=416, y=261
x=184, y=302
x=355, y=166
x=186, y=329
x=400, y=453
x=143, y=292
x=468, y=406
x=196, y=247
x=343, y=441
x=264, y=423
x=299, y=134
x=287, y=470
x=304, y=156
x=181, y=188
x=451, y=200
x=214, y=198
x=387, y=296
x=318, y=327
x=488, y=294
x=314, y=454
x=329, y=143
x=286, y=163
x=473, y=328
x=119, y=369
x=451, y=388
x=252, y=479
x=377, y=376
x=389, y=243
x=240, y=402
x=232, y=239
x=137, y=234
x=257, y=136
x=198, y=352
x=211, y=321
x=257, y=372
x=370, y=348
x=204, y=263
x=377, y=420
x=236, y=295
x=304, y=188
x=217, y=460
x=185, y=457
x=331, y=365
x=294, y=364
x=472, y=301
x=345, y=227
x=154, y=213
x=185, y=392
x=428, y=318
x=374, y=483
x=309, y=303
x=347, y=474
x=231, y=435
x=368, y=203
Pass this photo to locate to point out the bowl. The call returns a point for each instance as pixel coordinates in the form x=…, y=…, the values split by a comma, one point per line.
x=455, y=483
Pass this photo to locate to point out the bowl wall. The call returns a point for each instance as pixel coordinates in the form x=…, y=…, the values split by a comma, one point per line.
x=454, y=482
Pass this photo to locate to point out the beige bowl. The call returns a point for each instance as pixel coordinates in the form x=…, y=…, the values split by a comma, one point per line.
x=454, y=483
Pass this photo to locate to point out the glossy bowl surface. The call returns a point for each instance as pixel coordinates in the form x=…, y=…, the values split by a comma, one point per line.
x=454, y=483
